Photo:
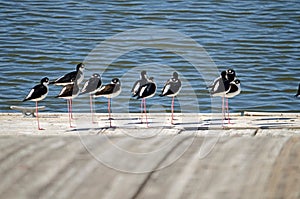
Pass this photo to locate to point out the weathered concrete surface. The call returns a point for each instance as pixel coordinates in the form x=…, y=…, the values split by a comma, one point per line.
x=163, y=161
x=61, y=167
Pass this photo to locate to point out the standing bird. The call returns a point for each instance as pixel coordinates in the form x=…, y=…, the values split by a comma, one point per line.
x=69, y=92
x=137, y=85
x=298, y=92
x=171, y=89
x=91, y=86
x=234, y=90
x=71, y=77
x=146, y=91
x=38, y=93
x=109, y=91
x=219, y=88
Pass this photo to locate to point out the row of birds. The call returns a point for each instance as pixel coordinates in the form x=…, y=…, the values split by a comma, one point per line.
x=225, y=86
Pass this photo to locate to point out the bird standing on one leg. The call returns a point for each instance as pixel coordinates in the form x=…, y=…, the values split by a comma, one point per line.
x=69, y=92
x=92, y=86
x=147, y=91
x=38, y=93
x=73, y=77
x=110, y=91
x=171, y=89
x=219, y=88
x=136, y=87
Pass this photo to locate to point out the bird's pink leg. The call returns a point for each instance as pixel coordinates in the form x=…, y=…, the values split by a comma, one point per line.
x=91, y=107
x=109, y=115
x=71, y=109
x=172, y=109
x=69, y=112
x=142, y=110
x=37, y=115
x=223, y=110
x=68, y=104
x=145, y=110
x=227, y=110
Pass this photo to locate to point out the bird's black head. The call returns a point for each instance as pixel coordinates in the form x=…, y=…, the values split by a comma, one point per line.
x=115, y=81
x=151, y=79
x=237, y=81
x=45, y=80
x=223, y=74
x=230, y=73
x=175, y=75
x=80, y=66
x=143, y=74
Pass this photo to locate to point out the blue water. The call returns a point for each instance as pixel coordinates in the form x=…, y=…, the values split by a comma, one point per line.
x=259, y=39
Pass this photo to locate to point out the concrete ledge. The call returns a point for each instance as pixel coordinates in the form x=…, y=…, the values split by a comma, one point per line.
x=256, y=124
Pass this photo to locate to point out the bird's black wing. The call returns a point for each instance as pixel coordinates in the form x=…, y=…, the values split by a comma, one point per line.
x=91, y=85
x=36, y=92
x=106, y=90
x=66, y=91
x=69, y=77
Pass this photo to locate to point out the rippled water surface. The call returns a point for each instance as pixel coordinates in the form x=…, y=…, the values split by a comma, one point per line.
x=259, y=39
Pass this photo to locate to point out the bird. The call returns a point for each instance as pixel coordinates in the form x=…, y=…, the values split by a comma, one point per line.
x=38, y=93
x=234, y=90
x=71, y=77
x=147, y=91
x=298, y=92
x=69, y=92
x=109, y=91
x=137, y=85
x=92, y=86
x=219, y=88
x=171, y=88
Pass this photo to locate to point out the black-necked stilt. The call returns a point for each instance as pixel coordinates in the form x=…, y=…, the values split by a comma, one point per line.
x=142, y=81
x=137, y=85
x=171, y=89
x=234, y=90
x=71, y=77
x=110, y=91
x=298, y=92
x=38, y=93
x=146, y=91
x=221, y=86
x=92, y=86
x=69, y=92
